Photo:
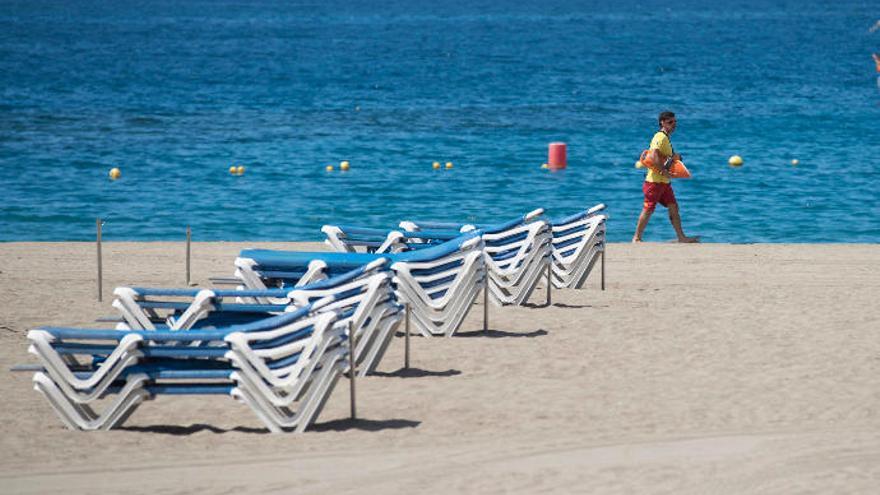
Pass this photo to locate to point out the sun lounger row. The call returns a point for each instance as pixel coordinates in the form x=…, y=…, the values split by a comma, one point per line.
x=280, y=341
x=515, y=253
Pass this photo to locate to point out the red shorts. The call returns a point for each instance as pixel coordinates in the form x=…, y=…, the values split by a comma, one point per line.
x=657, y=192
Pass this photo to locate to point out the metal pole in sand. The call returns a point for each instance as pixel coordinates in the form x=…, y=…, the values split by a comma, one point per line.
x=352, y=369
x=406, y=338
x=188, y=240
x=549, y=286
x=486, y=305
x=100, y=274
x=603, y=267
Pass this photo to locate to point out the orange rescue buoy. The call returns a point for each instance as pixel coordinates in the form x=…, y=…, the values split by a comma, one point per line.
x=676, y=171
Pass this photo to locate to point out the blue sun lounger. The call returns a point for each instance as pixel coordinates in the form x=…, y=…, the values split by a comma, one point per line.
x=515, y=252
x=363, y=297
x=439, y=283
x=283, y=367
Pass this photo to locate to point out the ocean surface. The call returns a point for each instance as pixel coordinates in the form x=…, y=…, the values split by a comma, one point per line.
x=174, y=93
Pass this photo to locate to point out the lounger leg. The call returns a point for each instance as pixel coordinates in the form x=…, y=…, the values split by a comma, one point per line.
x=98, y=244
x=352, y=369
x=188, y=241
x=549, y=287
x=486, y=305
x=406, y=339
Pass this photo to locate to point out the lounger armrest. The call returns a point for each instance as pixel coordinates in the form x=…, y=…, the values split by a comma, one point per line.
x=153, y=291
x=598, y=207
x=437, y=225
x=363, y=231
x=533, y=214
x=441, y=235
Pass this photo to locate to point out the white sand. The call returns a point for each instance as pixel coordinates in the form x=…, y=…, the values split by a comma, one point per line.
x=701, y=369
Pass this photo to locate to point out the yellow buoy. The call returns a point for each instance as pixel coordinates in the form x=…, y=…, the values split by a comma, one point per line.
x=329, y=168
x=240, y=170
x=544, y=165
x=735, y=161
x=344, y=166
x=435, y=165
x=115, y=173
x=448, y=164
x=233, y=170
x=795, y=162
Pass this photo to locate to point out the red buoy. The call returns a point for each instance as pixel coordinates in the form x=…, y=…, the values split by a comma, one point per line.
x=556, y=159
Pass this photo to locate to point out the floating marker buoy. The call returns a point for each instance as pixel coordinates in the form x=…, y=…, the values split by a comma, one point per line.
x=233, y=170
x=115, y=173
x=435, y=165
x=240, y=170
x=344, y=166
x=556, y=156
x=795, y=162
x=735, y=161
x=329, y=168
x=448, y=164
x=544, y=165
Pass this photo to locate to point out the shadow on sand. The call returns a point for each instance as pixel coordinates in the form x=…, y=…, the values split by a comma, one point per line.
x=335, y=425
x=499, y=334
x=365, y=424
x=190, y=430
x=559, y=305
x=415, y=373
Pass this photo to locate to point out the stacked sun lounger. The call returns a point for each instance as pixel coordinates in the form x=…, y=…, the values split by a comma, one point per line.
x=283, y=367
x=438, y=283
x=516, y=252
x=363, y=297
x=578, y=242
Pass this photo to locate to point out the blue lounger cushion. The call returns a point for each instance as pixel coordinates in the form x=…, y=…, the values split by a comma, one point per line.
x=299, y=259
x=188, y=336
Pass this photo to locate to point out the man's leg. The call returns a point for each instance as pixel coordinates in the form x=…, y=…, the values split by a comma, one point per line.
x=675, y=219
x=643, y=222
x=651, y=193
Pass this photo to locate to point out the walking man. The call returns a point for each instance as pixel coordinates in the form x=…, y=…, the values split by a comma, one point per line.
x=657, y=186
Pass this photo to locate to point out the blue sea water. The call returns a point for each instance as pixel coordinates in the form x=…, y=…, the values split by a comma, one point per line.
x=174, y=93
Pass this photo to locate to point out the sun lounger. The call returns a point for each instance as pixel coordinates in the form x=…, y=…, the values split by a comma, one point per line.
x=363, y=297
x=283, y=367
x=578, y=242
x=439, y=283
x=516, y=252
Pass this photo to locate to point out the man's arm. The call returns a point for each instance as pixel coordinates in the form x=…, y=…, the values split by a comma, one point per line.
x=659, y=159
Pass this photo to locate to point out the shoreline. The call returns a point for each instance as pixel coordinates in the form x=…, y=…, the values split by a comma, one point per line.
x=709, y=368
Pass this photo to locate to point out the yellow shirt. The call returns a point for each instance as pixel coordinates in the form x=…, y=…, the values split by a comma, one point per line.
x=661, y=143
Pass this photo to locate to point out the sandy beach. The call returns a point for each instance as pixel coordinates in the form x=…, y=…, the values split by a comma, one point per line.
x=700, y=369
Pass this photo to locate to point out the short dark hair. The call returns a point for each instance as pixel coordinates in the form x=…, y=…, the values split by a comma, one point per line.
x=666, y=115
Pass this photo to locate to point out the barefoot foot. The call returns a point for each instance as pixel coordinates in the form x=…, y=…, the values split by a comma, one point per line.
x=689, y=240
